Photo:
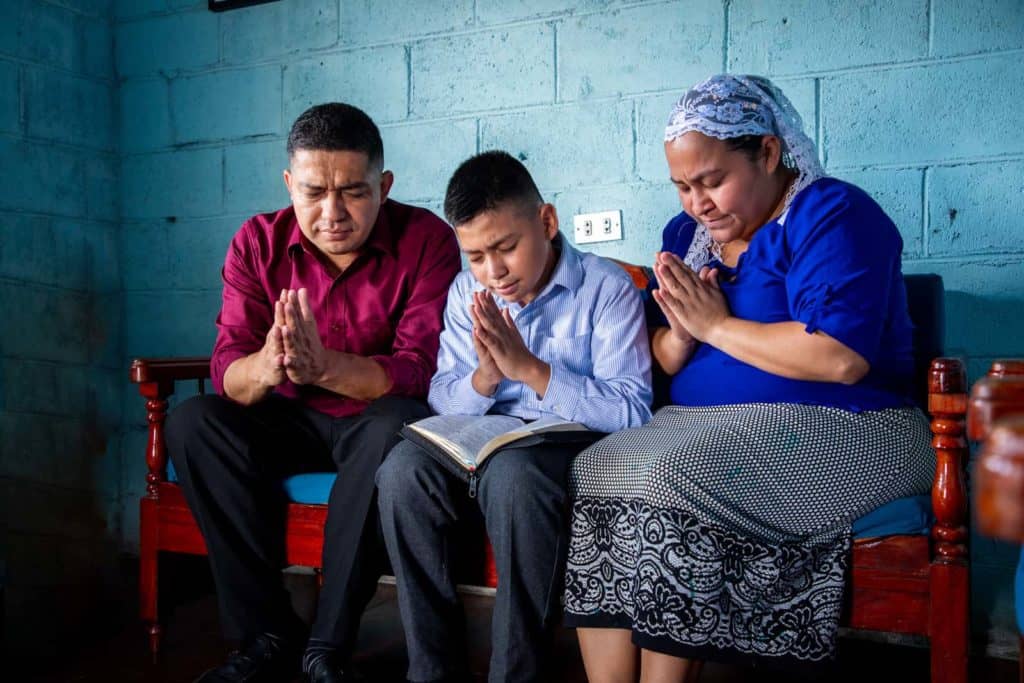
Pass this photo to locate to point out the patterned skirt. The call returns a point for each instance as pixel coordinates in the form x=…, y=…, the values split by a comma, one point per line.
x=723, y=533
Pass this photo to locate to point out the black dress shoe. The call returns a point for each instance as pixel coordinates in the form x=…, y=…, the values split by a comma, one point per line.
x=324, y=669
x=265, y=659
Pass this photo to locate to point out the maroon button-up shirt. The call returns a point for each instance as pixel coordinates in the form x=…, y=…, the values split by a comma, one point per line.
x=387, y=305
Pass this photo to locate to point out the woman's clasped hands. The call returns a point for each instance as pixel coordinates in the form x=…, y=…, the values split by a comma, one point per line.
x=692, y=302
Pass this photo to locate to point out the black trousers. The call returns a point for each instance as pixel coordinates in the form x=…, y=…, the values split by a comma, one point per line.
x=230, y=461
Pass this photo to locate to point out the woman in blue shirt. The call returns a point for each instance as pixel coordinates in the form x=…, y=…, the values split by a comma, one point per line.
x=721, y=529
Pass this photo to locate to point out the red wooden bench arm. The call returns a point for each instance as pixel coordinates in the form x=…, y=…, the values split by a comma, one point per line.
x=156, y=378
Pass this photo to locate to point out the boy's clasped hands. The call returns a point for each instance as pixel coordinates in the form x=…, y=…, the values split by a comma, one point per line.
x=501, y=351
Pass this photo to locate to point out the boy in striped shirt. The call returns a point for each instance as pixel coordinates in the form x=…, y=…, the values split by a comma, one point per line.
x=534, y=328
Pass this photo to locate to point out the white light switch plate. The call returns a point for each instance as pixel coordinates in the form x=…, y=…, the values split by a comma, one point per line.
x=602, y=226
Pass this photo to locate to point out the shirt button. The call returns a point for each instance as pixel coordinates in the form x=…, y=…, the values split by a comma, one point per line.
x=335, y=327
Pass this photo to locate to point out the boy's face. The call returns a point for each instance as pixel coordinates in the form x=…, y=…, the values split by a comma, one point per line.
x=509, y=249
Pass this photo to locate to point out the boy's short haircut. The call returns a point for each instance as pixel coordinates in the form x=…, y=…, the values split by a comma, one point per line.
x=336, y=126
x=486, y=181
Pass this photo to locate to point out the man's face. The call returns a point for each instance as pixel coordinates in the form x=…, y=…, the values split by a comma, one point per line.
x=509, y=249
x=336, y=195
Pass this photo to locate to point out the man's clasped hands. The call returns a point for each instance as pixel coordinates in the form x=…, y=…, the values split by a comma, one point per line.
x=293, y=349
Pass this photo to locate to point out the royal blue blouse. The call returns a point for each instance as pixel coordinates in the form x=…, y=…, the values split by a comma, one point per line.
x=832, y=264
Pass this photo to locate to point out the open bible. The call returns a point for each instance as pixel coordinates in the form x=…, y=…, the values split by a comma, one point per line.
x=470, y=439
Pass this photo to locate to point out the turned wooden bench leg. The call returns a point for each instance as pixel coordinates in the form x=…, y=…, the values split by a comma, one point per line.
x=950, y=623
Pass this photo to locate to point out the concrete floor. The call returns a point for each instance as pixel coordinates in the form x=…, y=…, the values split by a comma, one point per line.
x=192, y=643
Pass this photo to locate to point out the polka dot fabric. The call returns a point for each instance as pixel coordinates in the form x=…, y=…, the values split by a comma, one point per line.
x=724, y=531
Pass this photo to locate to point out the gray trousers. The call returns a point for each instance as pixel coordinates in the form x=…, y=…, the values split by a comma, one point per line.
x=523, y=496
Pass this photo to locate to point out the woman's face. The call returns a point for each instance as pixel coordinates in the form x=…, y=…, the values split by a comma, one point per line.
x=727, y=191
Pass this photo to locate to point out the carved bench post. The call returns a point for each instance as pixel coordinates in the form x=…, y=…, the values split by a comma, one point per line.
x=949, y=625
x=156, y=394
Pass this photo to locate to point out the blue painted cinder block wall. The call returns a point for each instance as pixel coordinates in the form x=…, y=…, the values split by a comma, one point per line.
x=918, y=101
x=60, y=300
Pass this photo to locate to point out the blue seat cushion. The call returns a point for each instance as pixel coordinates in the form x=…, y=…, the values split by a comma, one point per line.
x=906, y=516
x=311, y=489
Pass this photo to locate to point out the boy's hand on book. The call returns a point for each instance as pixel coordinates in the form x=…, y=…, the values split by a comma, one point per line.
x=498, y=333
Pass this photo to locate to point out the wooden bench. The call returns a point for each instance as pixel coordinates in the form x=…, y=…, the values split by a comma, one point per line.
x=903, y=584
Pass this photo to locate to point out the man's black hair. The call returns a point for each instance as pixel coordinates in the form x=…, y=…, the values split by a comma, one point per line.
x=485, y=182
x=336, y=126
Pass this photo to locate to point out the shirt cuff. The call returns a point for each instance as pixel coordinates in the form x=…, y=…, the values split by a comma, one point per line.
x=854, y=329
x=406, y=378
x=565, y=389
x=465, y=399
x=219, y=365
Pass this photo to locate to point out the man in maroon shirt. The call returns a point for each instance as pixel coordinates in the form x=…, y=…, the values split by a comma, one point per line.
x=327, y=340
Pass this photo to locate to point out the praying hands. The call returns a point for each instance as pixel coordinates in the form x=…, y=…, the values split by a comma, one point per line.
x=293, y=349
x=305, y=359
x=501, y=351
x=693, y=303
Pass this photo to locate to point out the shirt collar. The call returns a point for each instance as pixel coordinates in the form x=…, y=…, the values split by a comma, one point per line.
x=568, y=271
x=381, y=239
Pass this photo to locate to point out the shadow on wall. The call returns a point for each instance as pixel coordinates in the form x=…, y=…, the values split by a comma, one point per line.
x=993, y=567
x=65, y=585
x=984, y=326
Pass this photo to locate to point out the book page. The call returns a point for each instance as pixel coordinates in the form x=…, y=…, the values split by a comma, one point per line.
x=541, y=426
x=465, y=436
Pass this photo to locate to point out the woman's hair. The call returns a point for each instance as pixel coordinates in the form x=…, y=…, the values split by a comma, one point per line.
x=747, y=144
x=752, y=147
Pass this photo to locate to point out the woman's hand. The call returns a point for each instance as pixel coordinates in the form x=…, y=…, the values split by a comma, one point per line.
x=693, y=303
x=667, y=302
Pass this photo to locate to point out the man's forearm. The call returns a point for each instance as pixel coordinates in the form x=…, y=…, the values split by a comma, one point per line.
x=243, y=384
x=354, y=376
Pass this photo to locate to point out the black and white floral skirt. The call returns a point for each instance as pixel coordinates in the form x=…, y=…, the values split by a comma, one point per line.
x=724, y=532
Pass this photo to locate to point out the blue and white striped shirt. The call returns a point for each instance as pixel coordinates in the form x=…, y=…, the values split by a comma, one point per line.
x=587, y=324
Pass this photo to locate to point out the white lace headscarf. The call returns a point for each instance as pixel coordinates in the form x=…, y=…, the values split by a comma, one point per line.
x=730, y=106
